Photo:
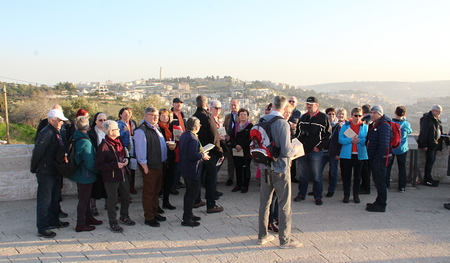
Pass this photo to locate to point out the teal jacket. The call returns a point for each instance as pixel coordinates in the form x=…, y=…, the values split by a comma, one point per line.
x=346, y=150
x=406, y=129
x=85, y=158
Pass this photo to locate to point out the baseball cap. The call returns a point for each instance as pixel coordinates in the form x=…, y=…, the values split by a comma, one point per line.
x=177, y=100
x=55, y=113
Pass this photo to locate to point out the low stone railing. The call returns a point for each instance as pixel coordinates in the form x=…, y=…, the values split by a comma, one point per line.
x=17, y=183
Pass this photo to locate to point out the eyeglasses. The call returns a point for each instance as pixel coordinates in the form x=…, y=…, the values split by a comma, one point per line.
x=102, y=120
x=217, y=108
x=357, y=115
x=115, y=130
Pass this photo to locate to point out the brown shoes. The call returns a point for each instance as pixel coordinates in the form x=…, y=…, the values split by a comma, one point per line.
x=202, y=203
x=236, y=188
x=215, y=209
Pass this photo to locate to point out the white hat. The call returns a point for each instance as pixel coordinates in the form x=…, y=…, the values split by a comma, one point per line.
x=55, y=113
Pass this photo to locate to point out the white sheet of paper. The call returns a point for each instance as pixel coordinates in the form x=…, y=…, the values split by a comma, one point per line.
x=176, y=134
x=238, y=154
x=208, y=147
x=350, y=133
x=300, y=148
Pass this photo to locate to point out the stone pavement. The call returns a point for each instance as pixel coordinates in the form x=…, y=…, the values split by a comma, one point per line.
x=415, y=228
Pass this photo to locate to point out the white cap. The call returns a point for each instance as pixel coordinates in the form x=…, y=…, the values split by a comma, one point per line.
x=55, y=113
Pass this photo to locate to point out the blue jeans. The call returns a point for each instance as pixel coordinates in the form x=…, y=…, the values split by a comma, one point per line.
x=401, y=163
x=332, y=173
x=48, y=194
x=310, y=163
x=379, y=171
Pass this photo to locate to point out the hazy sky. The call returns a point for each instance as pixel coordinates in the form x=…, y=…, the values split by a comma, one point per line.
x=295, y=42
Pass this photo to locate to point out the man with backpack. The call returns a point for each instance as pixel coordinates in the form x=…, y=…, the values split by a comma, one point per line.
x=277, y=177
x=379, y=148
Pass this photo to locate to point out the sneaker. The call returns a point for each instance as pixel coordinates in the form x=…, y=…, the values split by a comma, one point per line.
x=127, y=221
x=47, y=234
x=266, y=239
x=116, y=228
x=94, y=211
x=291, y=244
x=299, y=198
x=202, y=203
x=61, y=224
x=447, y=206
x=215, y=209
x=93, y=221
x=319, y=201
x=84, y=228
x=401, y=190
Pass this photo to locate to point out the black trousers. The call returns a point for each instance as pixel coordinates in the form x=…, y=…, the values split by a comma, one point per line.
x=192, y=189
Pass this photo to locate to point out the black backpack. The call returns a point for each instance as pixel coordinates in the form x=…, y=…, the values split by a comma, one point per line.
x=65, y=158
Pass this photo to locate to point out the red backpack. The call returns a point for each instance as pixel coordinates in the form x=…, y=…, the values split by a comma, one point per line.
x=397, y=134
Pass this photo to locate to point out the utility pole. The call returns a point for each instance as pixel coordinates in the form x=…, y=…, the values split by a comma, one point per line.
x=6, y=115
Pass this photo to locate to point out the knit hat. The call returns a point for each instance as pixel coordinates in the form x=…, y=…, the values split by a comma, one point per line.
x=378, y=109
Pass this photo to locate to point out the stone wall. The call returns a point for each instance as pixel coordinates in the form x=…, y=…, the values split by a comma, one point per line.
x=17, y=183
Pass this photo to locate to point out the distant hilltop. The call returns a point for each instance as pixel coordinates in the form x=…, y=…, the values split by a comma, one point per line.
x=404, y=93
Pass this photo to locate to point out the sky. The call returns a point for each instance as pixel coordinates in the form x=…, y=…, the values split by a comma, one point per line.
x=294, y=42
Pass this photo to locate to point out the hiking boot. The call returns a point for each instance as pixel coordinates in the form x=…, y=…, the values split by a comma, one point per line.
x=47, y=234
x=116, y=228
x=127, y=221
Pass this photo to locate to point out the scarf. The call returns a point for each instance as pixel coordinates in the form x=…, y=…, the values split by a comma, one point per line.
x=165, y=129
x=117, y=146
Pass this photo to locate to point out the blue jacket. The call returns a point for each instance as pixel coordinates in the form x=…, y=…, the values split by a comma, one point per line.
x=378, y=139
x=406, y=129
x=190, y=159
x=346, y=150
x=85, y=158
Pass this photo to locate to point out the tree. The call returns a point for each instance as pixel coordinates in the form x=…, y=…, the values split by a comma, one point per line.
x=139, y=107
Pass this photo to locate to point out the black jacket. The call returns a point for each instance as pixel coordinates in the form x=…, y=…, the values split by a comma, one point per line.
x=208, y=132
x=430, y=131
x=45, y=149
x=313, y=131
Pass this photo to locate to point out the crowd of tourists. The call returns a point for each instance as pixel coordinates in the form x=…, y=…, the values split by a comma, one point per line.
x=173, y=151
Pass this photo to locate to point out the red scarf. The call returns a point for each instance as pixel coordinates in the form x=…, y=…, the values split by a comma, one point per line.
x=166, y=130
x=117, y=146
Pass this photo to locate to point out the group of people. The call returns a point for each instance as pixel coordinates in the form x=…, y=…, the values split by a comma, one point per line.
x=166, y=145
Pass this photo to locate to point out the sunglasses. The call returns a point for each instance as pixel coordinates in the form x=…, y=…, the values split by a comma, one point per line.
x=356, y=115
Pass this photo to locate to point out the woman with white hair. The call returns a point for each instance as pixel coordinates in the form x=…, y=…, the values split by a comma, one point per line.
x=85, y=175
x=112, y=162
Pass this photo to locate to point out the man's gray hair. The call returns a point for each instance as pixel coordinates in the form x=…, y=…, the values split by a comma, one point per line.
x=150, y=109
x=81, y=123
x=279, y=102
x=109, y=125
x=201, y=101
x=192, y=123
